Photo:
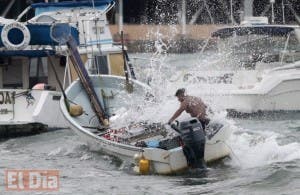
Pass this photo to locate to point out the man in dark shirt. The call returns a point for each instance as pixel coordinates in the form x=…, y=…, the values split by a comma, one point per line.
x=192, y=105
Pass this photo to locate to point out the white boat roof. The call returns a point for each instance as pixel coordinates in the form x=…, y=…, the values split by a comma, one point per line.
x=101, y=5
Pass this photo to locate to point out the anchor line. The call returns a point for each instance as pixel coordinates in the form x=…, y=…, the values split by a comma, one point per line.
x=29, y=98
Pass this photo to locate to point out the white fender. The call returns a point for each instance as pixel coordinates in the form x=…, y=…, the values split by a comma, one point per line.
x=7, y=43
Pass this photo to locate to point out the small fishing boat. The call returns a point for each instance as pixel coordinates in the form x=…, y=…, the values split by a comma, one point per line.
x=151, y=147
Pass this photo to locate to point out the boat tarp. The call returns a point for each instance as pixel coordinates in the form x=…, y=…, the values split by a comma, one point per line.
x=39, y=33
x=48, y=7
x=247, y=30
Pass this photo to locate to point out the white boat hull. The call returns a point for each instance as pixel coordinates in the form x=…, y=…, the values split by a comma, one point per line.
x=276, y=90
x=161, y=161
x=21, y=107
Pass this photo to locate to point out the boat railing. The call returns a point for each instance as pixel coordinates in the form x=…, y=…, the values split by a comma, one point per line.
x=109, y=7
x=144, y=67
x=285, y=48
x=96, y=11
x=148, y=61
x=23, y=13
x=295, y=65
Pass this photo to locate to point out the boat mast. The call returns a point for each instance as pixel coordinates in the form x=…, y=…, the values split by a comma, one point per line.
x=231, y=13
x=183, y=17
x=248, y=8
x=283, y=14
x=272, y=8
x=203, y=4
x=289, y=5
x=8, y=8
x=120, y=16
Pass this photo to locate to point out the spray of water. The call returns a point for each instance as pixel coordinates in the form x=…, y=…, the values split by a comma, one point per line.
x=165, y=72
x=250, y=148
x=261, y=148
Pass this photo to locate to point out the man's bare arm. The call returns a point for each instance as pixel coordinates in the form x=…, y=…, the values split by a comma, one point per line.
x=177, y=113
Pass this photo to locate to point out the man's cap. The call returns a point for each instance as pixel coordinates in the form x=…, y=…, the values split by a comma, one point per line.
x=180, y=91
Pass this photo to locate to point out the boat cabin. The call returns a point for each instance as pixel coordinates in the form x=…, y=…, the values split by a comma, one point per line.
x=246, y=52
x=24, y=72
x=23, y=50
x=95, y=42
x=257, y=45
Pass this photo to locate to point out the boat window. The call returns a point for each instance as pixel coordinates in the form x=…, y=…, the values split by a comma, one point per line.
x=294, y=43
x=45, y=19
x=99, y=65
x=12, y=73
x=116, y=64
x=38, y=71
x=292, y=51
x=245, y=51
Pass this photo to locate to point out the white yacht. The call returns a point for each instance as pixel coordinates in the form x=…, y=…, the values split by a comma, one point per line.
x=27, y=50
x=257, y=68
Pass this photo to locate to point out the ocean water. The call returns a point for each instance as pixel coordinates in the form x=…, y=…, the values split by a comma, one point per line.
x=265, y=155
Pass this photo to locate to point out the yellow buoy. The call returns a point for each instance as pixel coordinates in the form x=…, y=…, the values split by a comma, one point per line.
x=76, y=110
x=106, y=122
x=144, y=166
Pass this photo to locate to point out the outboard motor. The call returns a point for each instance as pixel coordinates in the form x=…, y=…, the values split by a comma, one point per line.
x=193, y=138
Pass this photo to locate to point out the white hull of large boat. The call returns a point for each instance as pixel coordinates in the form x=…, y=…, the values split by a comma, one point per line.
x=276, y=90
x=21, y=107
x=256, y=67
x=251, y=103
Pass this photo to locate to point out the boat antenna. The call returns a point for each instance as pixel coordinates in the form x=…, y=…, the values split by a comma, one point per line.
x=123, y=50
x=129, y=86
x=272, y=9
x=231, y=13
x=93, y=4
x=8, y=7
x=283, y=14
x=293, y=11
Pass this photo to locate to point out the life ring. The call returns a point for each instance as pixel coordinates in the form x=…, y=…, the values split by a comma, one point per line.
x=19, y=31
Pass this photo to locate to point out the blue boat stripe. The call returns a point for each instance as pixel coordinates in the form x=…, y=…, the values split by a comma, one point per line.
x=100, y=41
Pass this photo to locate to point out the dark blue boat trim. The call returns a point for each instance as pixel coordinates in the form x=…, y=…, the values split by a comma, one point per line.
x=26, y=53
x=73, y=4
x=247, y=30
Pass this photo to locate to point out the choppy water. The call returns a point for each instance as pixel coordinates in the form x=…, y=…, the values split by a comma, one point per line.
x=265, y=160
